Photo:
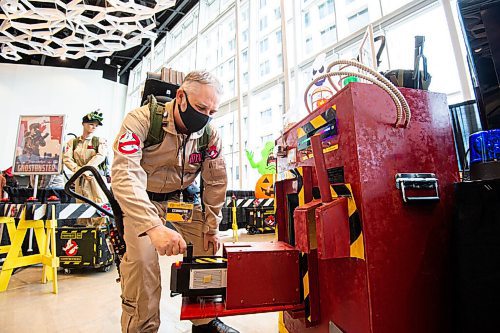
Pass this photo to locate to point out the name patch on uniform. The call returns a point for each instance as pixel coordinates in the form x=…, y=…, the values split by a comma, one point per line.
x=129, y=143
x=90, y=147
x=212, y=152
x=195, y=158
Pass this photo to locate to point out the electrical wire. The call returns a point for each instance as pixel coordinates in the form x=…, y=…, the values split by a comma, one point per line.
x=371, y=76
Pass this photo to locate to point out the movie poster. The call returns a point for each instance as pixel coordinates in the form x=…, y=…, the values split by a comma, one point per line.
x=38, y=145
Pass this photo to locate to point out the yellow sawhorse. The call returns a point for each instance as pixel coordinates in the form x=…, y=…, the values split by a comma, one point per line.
x=45, y=238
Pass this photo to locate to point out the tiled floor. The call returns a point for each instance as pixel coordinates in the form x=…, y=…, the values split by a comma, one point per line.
x=89, y=301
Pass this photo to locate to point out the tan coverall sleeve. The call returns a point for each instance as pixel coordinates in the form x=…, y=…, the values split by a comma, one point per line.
x=213, y=172
x=100, y=156
x=129, y=178
x=68, y=159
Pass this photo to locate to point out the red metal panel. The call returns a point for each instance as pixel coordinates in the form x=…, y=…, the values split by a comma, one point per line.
x=262, y=274
x=305, y=226
x=332, y=227
x=196, y=309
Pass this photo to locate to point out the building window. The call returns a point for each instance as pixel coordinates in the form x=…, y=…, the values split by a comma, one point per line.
x=309, y=44
x=328, y=35
x=277, y=13
x=325, y=9
x=263, y=23
x=280, y=59
x=264, y=45
x=262, y=4
x=264, y=68
x=266, y=116
x=232, y=44
x=244, y=56
x=245, y=78
x=266, y=138
x=245, y=124
x=307, y=19
x=244, y=35
x=237, y=172
x=278, y=36
x=358, y=20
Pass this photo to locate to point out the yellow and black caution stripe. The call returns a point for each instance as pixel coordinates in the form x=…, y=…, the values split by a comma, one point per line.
x=324, y=123
x=304, y=277
x=209, y=260
x=357, y=247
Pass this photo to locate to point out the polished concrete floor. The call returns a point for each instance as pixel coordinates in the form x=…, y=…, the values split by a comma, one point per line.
x=89, y=301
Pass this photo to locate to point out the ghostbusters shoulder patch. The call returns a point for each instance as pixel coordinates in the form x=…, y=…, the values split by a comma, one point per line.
x=212, y=152
x=129, y=143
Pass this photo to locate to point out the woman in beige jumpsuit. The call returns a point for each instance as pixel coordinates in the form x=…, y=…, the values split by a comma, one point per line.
x=80, y=152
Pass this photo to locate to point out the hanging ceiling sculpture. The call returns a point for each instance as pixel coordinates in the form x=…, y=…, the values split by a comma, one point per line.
x=75, y=28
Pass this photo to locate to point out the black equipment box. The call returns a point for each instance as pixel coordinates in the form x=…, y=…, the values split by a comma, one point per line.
x=80, y=247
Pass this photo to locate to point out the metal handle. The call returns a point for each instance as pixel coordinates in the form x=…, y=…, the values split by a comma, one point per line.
x=104, y=188
x=427, y=181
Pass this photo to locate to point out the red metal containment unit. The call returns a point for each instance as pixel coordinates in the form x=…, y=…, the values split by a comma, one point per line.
x=389, y=271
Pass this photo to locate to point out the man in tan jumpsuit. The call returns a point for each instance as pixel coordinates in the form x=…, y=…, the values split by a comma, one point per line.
x=144, y=179
x=80, y=153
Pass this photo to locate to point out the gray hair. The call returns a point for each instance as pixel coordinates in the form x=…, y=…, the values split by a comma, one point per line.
x=202, y=77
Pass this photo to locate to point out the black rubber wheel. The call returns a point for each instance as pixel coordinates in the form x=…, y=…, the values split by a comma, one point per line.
x=67, y=271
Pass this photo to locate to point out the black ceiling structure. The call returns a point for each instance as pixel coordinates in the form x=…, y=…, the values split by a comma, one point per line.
x=121, y=62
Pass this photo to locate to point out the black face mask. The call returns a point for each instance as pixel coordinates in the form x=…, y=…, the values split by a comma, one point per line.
x=192, y=119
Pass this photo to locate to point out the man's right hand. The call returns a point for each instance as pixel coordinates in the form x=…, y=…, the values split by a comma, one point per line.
x=166, y=241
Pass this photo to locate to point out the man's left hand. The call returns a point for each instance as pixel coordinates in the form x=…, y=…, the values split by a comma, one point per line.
x=214, y=239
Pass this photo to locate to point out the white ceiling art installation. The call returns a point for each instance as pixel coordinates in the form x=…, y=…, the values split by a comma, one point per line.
x=75, y=28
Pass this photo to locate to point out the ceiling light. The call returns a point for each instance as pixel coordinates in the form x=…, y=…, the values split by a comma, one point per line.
x=107, y=61
x=78, y=38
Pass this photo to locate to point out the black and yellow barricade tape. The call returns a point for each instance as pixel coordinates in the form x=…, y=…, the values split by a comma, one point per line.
x=323, y=124
x=209, y=260
x=357, y=247
x=63, y=211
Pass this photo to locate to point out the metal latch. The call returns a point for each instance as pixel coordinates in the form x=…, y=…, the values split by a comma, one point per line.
x=417, y=181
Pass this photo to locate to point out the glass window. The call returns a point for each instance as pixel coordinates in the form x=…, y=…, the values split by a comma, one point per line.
x=328, y=35
x=264, y=45
x=266, y=116
x=244, y=35
x=231, y=44
x=277, y=13
x=278, y=36
x=358, y=20
x=438, y=50
x=266, y=138
x=307, y=19
x=264, y=68
x=262, y=3
x=244, y=57
x=263, y=23
x=325, y=9
x=309, y=45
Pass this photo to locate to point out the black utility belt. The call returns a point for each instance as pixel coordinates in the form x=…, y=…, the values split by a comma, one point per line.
x=175, y=195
